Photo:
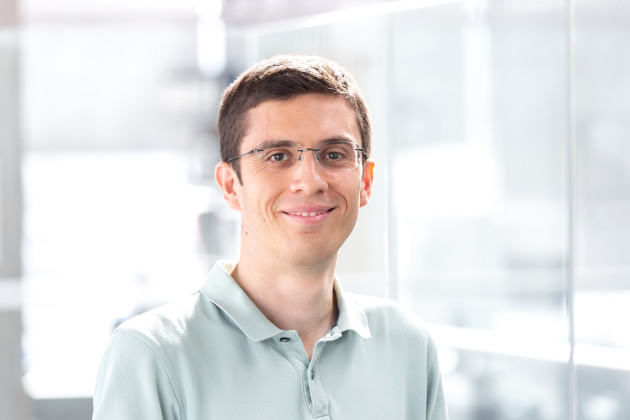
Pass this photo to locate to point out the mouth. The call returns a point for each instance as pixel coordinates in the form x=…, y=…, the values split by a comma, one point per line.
x=309, y=216
x=308, y=213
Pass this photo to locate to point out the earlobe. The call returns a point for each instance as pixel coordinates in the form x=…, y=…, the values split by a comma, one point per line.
x=226, y=179
x=367, y=181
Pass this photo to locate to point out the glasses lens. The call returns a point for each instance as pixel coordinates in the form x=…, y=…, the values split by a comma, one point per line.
x=277, y=159
x=338, y=157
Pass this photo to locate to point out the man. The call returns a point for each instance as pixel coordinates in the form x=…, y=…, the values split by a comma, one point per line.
x=274, y=336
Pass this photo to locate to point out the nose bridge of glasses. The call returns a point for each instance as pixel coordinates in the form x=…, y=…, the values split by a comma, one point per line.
x=314, y=150
x=312, y=166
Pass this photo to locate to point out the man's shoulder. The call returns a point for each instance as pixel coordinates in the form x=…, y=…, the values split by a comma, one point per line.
x=166, y=324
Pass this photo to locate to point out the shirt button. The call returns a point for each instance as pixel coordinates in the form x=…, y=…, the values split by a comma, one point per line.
x=312, y=374
x=284, y=339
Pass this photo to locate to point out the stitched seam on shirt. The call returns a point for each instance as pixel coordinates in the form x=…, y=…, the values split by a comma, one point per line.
x=163, y=363
x=319, y=374
x=240, y=327
x=301, y=378
x=431, y=361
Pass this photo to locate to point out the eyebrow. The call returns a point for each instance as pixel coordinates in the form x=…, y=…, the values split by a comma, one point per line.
x=337, y=140
x=270, y=144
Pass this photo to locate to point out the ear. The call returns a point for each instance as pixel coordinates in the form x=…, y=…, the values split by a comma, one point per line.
x=367, y=181
x=226, y=180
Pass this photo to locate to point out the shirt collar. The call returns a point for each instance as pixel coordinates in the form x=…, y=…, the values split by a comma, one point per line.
x=351, y=314
x=221, y=289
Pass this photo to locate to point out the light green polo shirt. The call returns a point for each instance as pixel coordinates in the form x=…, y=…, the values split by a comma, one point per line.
x=214, y=355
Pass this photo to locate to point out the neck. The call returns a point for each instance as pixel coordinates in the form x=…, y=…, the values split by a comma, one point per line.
x=296, y=298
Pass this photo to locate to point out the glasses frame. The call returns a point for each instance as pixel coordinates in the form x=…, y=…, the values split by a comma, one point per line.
x=299, y=158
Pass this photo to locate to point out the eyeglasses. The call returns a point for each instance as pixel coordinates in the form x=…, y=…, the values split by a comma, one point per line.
x=284, y=156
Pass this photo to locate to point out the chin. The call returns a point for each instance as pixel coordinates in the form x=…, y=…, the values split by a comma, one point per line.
x=310, y=253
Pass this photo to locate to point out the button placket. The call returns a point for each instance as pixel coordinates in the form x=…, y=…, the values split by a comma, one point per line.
x=293, y=350
x=319, y=397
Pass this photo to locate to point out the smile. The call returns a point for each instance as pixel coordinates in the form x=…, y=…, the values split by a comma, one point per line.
x=308, y=214
x=312, y=216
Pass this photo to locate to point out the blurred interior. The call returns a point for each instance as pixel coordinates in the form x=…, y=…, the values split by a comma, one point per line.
x=501, y=203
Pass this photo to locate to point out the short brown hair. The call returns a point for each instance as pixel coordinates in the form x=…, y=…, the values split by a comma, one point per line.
x=279, y=78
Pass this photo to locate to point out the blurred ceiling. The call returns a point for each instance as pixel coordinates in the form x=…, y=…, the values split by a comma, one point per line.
x=234, y=12
x=243, y=12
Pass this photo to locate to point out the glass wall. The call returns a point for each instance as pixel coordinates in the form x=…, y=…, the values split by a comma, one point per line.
x=503, y=171
x=602, y=202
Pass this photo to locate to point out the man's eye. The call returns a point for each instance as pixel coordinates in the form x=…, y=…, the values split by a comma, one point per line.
x=336, y=153
x=278, y=156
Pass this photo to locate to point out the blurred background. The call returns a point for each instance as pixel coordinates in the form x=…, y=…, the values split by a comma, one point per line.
x=501, y=205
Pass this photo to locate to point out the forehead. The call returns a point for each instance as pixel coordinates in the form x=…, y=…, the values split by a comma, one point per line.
x=305, y=119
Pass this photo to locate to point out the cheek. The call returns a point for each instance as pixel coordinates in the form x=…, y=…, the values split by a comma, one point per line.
x=354, y=200
x=257, y=207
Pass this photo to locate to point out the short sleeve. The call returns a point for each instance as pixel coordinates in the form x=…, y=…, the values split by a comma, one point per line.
x=133, y=382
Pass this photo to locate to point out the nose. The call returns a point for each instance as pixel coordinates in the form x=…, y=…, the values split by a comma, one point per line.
x=308, y=175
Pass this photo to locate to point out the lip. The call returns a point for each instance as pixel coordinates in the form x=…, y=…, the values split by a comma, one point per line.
x=309, y=215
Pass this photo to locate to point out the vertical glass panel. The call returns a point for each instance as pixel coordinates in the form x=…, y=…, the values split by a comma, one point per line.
x=479, y=164
x=602, y=130
x=479, y=175
x=10, y=188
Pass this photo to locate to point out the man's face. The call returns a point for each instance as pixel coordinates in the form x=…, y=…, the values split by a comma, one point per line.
x=302, y=216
